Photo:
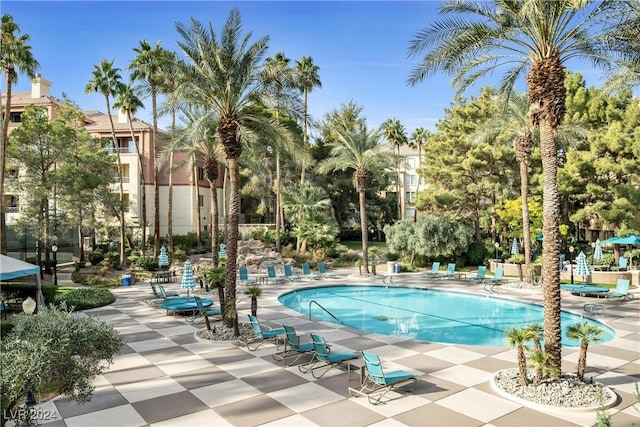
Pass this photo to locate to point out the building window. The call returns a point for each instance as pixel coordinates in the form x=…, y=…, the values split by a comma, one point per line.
x=410, y=213
x=595, y=235
x=201, y=200
x=410, y=179
x=200, y=174
x=411, y=162
x=409, y=196
x=15, y=117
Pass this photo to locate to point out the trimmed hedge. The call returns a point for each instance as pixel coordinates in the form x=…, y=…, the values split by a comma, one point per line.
x=80, y=298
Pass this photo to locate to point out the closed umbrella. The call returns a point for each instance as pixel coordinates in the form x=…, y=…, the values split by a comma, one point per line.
x=515, y=248
x=583, y=266
x=163, y=259
x=597, y=252
x=188, y=281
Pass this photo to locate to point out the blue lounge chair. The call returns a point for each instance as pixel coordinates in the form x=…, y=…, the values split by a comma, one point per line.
x=491, y=283
x=377, y=383
x=621, y=292
x=451, y=268
x=293, y=347
x=167, y=294
x=201, y=312
x=244, y=276
x=263, y=335
x=306, y=270
x=623, y=264
x=272, y=276
x=481, y=274
x=324, y=359
x=435, y=267
x=288, y=274
x=322, y=269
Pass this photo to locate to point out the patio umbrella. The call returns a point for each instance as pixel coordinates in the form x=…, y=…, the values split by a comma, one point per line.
x=583, y=266
x=515, y=248
x=188, y=281
x=597, y=252
x=631, y=239
x=163, y=259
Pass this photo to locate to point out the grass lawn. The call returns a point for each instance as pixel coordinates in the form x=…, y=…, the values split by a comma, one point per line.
x=357, y=245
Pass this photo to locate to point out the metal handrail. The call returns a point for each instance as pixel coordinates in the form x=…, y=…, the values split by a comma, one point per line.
x=327, y=311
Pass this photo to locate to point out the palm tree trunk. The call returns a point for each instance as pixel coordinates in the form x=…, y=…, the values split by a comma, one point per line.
x=116, y=145
x=582, y=359
x=550, y=250
x=3, y=156
x=143, y=213
x=211, y=168
x=225, y=210
x=305, y=93
x=198, y=212
x=170, y=207
x=156, y=173
x=365, y=231
x=278, y=206
x=522, y=366
x=526, y=229
x=232, y=243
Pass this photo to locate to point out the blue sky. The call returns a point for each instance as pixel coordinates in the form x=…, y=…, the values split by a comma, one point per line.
x=360, y=47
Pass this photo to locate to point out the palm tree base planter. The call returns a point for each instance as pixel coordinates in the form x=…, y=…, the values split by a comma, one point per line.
x=221, y=333
x=565, y=393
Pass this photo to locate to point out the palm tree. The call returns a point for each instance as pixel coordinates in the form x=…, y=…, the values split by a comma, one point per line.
x=587, y=334
x=417, y=140
x=303, y=200
x=308, y=79
x=515, y=124
x=358, y=150
x=539, y=360
x=537, y=332
x=214, y=277
x=223, y=76
x=395, y=133
x=15, y=58
x=254, y=292
x=129, y=102
x=107, y=81
x=147, y=67
x=536, y=37
x=518, y=337
x=626, y=38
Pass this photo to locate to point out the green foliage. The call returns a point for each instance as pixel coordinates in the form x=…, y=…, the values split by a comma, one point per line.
x=148, y=263
x=510, y=214
x=516, y=259
x=85, y=298
x=442, y=236
x=96, y=257
x=402, y=237
x=78, y=265
x=347, y=259
x=6, y=326
x=55, y=351
x=188, y=243
x=476, y=253
x=319, y=231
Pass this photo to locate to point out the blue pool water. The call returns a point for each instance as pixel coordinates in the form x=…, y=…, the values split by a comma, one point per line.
x=426, y=315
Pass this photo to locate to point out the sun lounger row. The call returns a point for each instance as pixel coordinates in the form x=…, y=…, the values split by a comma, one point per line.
x=289, y=275
x=375, y=382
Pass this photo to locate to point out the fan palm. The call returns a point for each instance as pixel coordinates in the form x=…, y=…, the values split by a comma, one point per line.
x=129, y=102
x=254, y=292
x=108, y=82
x=15, y=58
x=224, y=77
x=303, y=200
x=536, y=37
x=307, y=76
x=587, y=334
x=358, y=150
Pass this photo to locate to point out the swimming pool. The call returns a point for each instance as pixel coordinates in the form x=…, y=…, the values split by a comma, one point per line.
x=424, y=314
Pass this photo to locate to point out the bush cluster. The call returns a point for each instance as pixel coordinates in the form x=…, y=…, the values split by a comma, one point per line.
x=85, y=298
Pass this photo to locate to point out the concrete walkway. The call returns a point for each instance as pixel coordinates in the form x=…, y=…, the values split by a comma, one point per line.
x=164, y=376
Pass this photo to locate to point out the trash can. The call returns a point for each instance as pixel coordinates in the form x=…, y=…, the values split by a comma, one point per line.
x=390, y=267
x=126, y=280
x=396, y=268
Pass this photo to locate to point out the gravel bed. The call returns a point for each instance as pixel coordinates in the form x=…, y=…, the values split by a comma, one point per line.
x=565, y=391
x=222, y=333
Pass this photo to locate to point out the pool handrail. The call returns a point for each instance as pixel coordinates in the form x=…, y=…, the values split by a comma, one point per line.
x=327, y=311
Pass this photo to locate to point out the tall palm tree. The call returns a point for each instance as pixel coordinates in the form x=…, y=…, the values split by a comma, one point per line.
x=395, y=133
x=147, y=67
x=626, y=38
x=417, y=140
x=15, y=58
x=518, y=337
x=536, y=37
x=587, y=334
x=224, y=76
x=358, y=150
x=129, y=102
x=308, y=78
x=108, y=82
x=278, y=77
x=514, y=123
x=303, y=200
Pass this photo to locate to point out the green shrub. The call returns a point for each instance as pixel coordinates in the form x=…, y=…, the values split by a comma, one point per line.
x=6, y=326
x=148, y=263
x=85, y=298
x=392, y=256
x=517, y=259
x=346, y=259
x=78, y=265
x=476, y=253
x=96, y=257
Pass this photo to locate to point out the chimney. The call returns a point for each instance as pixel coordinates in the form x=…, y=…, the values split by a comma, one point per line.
x=122, y=116
x=40, y=87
